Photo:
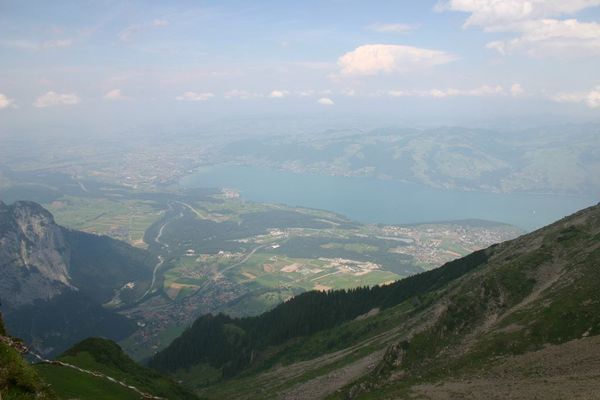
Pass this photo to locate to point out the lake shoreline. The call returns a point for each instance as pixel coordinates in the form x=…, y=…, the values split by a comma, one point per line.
x=372, y=200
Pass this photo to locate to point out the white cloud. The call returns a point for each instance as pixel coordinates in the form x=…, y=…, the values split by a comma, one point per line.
x=591, y=98
x=516, y=90
x=51, y=99
x=494, y=14
x=115, y=94
x=279, y=94
x=193, y=96
x=157, y=23
x=375, y=58
x=484, y=90
x=241, y=94
x=24, y=44
x=306, y=93
x=127, y=34
x=540, y=33
x=5, y=101
x=568, y=97
x=325, y=101
x=58, y=43
x=20, y=44
x=392, y=27
x=551, y=36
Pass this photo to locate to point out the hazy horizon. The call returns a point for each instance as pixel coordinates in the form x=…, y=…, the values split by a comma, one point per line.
x=427, y=63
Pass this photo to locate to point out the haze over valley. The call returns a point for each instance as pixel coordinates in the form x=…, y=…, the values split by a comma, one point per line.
x=317, y=200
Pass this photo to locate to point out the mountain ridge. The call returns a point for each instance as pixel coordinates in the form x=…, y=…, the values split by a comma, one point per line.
x=105, y=357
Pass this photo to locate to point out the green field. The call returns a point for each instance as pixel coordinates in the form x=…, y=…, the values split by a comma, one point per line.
x=121, y=219
x=279, y=271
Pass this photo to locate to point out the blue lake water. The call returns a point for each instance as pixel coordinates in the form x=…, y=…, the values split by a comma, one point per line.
x=380, y=201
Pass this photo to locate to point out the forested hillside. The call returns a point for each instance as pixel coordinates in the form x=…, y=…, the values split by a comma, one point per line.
x=230, y=344
x=522, y=300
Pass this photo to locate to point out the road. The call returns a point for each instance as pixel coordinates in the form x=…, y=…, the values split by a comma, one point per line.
x=246, y=257
x=198, y=213
x=161, y=259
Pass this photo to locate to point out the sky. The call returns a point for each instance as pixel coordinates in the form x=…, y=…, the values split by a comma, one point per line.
x=140, y=61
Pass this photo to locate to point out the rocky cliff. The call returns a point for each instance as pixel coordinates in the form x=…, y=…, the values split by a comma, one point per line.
x=34, y=255
x=55, y=280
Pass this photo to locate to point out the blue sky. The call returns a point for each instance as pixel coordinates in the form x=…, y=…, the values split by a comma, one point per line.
x=149, y=59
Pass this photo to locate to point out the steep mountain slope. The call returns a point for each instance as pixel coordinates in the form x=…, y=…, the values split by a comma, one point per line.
x=54, y=325
x=232, y=344
x=18, y=380
x=106, y=357
x=33, y=253
x=508, y=302
x=54, y=280
x=536, y=300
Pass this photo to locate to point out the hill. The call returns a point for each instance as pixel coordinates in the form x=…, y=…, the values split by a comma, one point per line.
x=106, y=357
x=499, y=305
x=534, y=160
x=112, y=374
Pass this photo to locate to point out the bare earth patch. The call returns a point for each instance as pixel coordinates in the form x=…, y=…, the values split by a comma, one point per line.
x=292, y=267
x=268, y=267
x=249, y=275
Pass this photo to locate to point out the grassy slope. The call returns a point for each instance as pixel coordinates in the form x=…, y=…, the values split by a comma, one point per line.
x=106, y=357
x=72, y=384
x=18, y=380
x=537, y=291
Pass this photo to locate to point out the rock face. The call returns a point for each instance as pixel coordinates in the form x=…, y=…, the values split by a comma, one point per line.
x=34, y=255
x=55, y=281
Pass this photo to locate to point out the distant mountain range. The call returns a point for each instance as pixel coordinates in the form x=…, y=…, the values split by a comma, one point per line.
x=559, y=159
x=55, y=280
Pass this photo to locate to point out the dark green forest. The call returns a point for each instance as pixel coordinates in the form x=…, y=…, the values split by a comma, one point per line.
x=231, y=344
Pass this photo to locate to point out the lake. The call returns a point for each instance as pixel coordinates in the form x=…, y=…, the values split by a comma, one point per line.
x=379, y=201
